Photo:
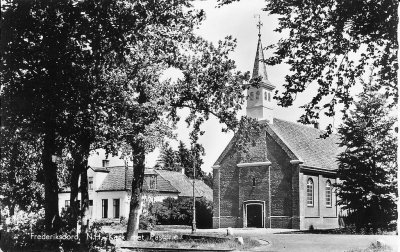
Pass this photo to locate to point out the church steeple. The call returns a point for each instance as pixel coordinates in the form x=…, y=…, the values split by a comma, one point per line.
x=259, y=66
x=260, y=102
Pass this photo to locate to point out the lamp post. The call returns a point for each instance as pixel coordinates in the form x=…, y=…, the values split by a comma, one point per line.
x=194, y=197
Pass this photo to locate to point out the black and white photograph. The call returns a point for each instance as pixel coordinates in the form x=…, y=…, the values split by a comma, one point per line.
x=199, y=125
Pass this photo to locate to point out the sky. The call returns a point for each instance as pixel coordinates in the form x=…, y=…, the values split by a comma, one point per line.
x=239, y=20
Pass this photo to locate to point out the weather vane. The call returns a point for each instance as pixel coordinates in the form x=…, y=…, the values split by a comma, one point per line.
x=259, y=24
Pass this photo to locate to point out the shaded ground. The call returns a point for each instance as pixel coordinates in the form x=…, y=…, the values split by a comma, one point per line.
x=284, y=240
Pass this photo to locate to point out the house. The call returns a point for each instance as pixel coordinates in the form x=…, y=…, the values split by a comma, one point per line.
x=285, y=180
x=109, y=190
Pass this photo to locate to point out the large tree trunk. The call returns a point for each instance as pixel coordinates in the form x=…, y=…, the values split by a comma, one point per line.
x=80, y=169
x=138, y=154
x=74, y=184
x=50, y=183
x=84, y=207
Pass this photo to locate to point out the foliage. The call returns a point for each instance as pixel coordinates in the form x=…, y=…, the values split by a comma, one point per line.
x=179, y=212
x=21, y=174
x=82, y=75
x=332, y=44
x=368, y=164
x=174, y=160
x=16, y=229
x=208, y=180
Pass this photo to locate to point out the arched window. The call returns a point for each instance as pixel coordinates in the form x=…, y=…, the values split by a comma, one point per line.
x=310, y=192
x=251, y=96
x=269, y=96
x=257, y=95
x=328, y=194
x=265, y=95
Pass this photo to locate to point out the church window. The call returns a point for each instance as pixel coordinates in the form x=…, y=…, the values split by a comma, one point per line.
x=328, y=194
x=269, y=96
x=251, y=96
x=265, y=95
x=257, y=95
x=254, y=182
x=310, y=192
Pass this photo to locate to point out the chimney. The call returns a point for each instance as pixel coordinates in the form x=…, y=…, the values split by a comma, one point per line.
x=106, y=162
x=316, y=125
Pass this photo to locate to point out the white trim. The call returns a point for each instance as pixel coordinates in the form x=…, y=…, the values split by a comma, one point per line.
x=269, y=196
x=254, y=164
x=216, y=167
x=296, y=161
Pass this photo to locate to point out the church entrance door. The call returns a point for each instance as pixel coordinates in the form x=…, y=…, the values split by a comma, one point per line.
x=254, y=215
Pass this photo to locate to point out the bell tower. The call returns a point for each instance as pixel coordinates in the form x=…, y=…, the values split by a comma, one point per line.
x=259, y=100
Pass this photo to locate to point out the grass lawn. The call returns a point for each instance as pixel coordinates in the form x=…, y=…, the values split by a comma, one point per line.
x=374, y=247
x=343, y=231
x=198, y=244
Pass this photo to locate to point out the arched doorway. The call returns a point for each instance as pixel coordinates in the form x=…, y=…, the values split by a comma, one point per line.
x=254, y=214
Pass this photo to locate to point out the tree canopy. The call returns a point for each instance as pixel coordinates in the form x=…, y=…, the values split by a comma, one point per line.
x=183, y=157
x=333, y=44
x=368, y=165
x=80, y=75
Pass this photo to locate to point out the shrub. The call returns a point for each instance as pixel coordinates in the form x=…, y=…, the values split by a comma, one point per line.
x=16, y=230
x=147, y=222
x=179, y=212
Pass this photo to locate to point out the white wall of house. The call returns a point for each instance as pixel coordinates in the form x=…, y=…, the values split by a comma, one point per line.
x=110, y=196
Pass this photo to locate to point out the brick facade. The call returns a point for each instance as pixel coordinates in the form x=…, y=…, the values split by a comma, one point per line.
x=278, y=184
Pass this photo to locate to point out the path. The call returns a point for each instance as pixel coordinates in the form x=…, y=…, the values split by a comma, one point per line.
x=272, y=240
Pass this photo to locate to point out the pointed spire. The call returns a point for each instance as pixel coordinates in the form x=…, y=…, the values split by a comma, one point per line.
x=259, y=65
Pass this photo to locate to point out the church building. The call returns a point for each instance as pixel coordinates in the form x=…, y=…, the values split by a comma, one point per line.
x=286, y=180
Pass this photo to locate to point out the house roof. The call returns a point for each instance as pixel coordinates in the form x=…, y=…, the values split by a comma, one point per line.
x=99, y=169
x=185, y=185
x=115, y=181
x=301, y=142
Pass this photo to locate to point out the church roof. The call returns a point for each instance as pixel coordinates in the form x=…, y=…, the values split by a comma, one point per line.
x=302, y=143
x=259, y=68
x=306, y=144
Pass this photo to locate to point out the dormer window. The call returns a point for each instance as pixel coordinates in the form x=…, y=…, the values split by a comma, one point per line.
x=153, y=182
x=251, y=96
x=106, y=162
x=257, y=95
x=90, y=182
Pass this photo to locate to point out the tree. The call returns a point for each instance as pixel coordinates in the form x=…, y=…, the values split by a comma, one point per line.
x=167, y=159
x=368, y=165
x=208, y=180
x=190, y=157
x=174, y=160
x=60, y=60
x=324, y=37
x=20, y=167
x=96, y=83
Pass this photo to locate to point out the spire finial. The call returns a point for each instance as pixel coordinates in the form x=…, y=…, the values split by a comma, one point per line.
x=259, y=24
